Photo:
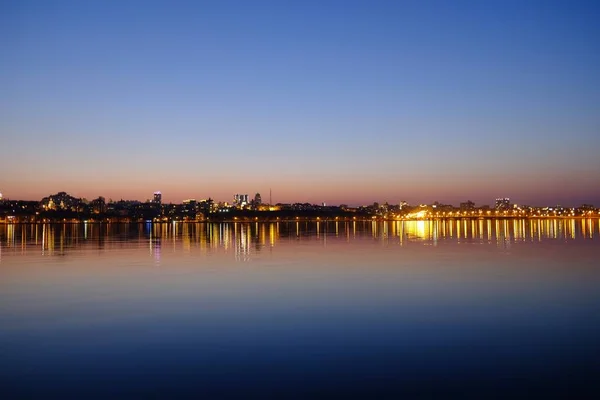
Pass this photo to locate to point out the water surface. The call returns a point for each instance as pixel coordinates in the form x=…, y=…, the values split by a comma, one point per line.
x=482, y=307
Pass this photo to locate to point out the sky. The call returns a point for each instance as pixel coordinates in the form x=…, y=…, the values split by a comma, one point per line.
x=319, y=101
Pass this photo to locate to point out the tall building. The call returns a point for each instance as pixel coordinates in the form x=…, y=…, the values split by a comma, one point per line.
x=502, y=204
x=257, y=199
x=157, y=199
x=0, y=196
x=240, y=200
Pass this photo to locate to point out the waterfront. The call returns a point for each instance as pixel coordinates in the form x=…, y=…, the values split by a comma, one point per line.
x=71, y=236
x=300, y=308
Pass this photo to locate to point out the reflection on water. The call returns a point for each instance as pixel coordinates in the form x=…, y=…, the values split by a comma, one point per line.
x=300, y=309
x=245, y=238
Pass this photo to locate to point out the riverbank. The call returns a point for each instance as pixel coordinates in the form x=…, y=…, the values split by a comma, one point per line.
x=294, y=219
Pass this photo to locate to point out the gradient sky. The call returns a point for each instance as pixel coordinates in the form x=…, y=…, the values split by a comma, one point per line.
x=336, y=101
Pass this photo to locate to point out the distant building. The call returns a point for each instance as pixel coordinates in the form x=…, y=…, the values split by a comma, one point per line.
x=256, y=202
x=207, y=206
x=190, y=206
x=157, y=199
x=189, y=209
x=0, y=196
x=240, y=200
x=98, y=206
x=503, y=204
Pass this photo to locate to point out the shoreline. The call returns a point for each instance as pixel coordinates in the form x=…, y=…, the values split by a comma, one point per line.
x=299, y=219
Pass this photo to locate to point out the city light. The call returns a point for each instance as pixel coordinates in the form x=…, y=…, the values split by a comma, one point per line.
x=66, y=208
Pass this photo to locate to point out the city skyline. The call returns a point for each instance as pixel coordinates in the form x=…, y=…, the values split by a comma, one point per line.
x=243, y=199
x=335, y=101
x=551, y=196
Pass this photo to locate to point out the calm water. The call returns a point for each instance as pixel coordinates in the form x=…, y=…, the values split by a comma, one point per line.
x=482, y=308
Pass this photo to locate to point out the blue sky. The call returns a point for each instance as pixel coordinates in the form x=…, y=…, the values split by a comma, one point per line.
x=336, y=101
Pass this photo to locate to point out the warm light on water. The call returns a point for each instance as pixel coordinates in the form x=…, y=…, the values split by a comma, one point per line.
x=299, y=308
x=53, y=238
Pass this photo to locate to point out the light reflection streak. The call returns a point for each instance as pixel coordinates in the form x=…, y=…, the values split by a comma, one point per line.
x=245, y=239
